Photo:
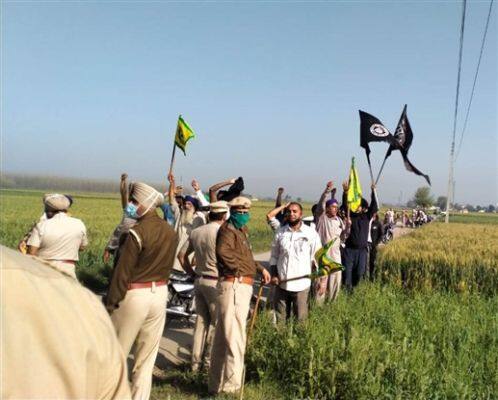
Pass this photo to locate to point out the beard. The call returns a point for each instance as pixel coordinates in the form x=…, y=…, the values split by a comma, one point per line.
x=294, y=223
x=187, y=217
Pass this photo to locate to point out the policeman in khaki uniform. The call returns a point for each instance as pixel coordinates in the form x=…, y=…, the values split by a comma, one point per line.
x=237, y=269
x=57, y=340
x=58, y=238
x=202, y=242
x=138, y=291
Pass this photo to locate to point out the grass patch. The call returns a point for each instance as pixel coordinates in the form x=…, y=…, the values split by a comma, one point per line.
x=382, y=342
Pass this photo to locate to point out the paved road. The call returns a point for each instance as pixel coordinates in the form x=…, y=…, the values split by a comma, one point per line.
x=176, y=343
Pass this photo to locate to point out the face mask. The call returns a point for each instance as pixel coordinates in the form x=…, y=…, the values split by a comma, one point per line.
x=239, y=219
x=131, y=211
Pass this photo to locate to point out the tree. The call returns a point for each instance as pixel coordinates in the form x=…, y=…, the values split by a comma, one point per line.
x=441, y=202
x=423, y=197
x=411, y=204
x=491, y=208
x=470, y=207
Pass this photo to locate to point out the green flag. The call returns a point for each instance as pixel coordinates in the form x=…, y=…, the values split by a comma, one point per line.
x=183, y=134
x=354, y=189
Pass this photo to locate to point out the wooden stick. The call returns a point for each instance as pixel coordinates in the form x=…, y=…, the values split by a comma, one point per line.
x=172, y=158
x=251, y=325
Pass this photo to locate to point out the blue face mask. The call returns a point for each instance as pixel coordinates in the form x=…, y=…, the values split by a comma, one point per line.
x=131, y=211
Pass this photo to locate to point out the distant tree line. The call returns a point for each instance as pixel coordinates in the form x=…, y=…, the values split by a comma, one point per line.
x=423, y=198
x=60, y=184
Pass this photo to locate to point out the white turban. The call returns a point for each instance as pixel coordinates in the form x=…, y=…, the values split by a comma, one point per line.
x=56, y=202
x=146, y=195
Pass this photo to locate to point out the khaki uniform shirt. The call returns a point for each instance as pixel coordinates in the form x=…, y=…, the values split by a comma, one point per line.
x=146, y=256
x=57, y=340
x=203, y=241
x=234, y=253
x=59, y=238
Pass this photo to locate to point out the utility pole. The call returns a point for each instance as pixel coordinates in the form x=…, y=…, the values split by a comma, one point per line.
x=452, y=148
x=450, y=186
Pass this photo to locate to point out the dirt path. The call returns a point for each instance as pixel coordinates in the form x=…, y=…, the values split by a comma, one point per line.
x=176, y=343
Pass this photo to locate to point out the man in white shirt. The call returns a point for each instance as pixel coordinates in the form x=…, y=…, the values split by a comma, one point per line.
x=59, y=238
x=292, y=255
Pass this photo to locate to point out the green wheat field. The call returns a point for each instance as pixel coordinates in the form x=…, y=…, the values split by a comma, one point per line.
x=427, y=328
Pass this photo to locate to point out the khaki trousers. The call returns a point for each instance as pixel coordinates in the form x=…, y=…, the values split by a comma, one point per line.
x=206, y=293
x=333, y=287
x=229, y=345
x=140, y=319
x=291, y=304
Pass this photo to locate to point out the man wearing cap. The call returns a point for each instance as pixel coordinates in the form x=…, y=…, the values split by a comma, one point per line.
x=330, y=227
x=138, y=292
x=356, y=250
x=202, y=243
x=237, y=269
x=59, y=238
x=292, y=256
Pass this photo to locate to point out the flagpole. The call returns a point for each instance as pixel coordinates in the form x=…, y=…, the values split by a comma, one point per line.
x=372, y=179
x=172, y=159
x=380, y=171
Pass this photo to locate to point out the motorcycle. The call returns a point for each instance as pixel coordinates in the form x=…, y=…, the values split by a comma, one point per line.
x=181, y=297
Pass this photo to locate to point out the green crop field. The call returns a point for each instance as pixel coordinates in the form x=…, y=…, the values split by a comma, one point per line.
x=475, y=218
x=100, y=213
x=426, y=329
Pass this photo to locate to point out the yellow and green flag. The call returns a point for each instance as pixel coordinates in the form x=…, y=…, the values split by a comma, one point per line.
x=183, y=134
x=354, y=190
x=326, y=265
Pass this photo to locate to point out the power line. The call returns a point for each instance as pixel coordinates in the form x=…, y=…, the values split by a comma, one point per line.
x=475, y=79
x=452, y=149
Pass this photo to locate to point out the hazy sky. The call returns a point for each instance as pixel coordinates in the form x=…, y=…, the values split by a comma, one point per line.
x=272, y=89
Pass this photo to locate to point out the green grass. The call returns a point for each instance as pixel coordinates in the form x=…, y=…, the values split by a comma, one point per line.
x=474, y=218
x=181, y=384
x=383, y=343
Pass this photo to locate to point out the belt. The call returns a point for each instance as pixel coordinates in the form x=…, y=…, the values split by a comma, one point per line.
x=213, y=278
x=143, y=285
x=249, y=280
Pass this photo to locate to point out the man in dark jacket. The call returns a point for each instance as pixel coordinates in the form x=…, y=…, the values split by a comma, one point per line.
x=355, y=252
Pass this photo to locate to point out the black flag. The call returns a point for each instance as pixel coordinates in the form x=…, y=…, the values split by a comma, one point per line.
x=403, y=138
x=372, y=130
x=233, y=191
